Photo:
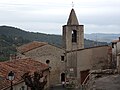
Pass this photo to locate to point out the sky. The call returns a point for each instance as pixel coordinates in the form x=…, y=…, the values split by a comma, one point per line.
x=48, y=16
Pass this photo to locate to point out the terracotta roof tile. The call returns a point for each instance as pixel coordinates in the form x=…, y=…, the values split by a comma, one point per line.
x=19, y=67
x=30, y=46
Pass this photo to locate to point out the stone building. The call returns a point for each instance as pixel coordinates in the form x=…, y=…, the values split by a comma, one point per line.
x=19, y=67
x=73, y=33
x=80, y=60
x=48, y=54
x=71, y=63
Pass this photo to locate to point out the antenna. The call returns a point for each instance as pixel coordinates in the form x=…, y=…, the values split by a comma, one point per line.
x=72, y=5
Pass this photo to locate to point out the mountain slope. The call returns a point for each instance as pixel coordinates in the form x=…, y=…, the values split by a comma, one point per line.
x=11, y=37
x=15, y=32
x=8, y=46
x=101, y=37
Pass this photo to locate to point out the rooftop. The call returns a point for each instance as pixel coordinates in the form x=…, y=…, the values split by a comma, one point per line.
x=72, y=20
x=19, y=68
x=89, y=48
x=115, y=41
x=30, y=46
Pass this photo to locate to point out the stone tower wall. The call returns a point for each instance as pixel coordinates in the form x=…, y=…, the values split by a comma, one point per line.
x=67, y=37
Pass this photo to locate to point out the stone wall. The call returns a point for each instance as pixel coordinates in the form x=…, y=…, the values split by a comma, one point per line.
x=87, y=59
x=53, y=54
x=92, y=58
x=67, y=37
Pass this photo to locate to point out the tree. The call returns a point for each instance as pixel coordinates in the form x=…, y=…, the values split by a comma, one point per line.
x=34, y=81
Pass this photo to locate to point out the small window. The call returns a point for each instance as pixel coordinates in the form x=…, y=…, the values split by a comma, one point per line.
x=47, y=61
x=62, y=58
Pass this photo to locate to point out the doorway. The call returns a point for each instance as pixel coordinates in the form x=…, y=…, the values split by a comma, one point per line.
x=83, y=75
x=62, y=77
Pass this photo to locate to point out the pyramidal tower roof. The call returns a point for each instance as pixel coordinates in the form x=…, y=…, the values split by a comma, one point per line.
x=72, y=20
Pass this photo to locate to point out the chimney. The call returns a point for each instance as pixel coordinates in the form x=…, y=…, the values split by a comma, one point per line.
x=10, y=57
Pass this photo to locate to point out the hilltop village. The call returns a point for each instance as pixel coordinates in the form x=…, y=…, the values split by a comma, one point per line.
x=41, y=66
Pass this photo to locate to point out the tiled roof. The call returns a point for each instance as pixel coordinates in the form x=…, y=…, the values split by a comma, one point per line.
x=30, y=46
x=115, y=41
x=19, y=67
x=88, y=48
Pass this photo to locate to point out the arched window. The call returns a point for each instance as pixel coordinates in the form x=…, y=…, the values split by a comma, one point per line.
x=74, y=36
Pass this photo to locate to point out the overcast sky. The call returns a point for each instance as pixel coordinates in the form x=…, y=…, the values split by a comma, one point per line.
x=48, y=16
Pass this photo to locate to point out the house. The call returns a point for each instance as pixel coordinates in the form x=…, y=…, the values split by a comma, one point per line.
x=19, y=67
x=48, y=54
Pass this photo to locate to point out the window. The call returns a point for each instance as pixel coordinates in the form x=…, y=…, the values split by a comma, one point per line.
x=62, y=58
x=47, y=61
x=74, y=36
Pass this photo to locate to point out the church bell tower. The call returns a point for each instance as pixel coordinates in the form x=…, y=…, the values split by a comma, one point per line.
x=73, y=33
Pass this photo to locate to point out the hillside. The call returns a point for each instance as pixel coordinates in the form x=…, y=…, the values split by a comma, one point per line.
x=8, y=45
x=16, y=32
x=11, y=37
x=101, y=37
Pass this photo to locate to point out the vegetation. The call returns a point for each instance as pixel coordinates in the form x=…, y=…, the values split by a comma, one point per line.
x=11, y=37
x=8, y=45
x=31, y=36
